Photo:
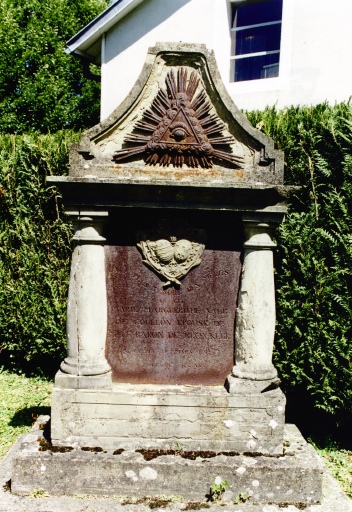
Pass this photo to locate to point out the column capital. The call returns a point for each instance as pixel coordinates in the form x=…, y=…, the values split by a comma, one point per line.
x=258, y=235
x=87, y=212
x=88, y=224
x=259, y=228
x=272, y=219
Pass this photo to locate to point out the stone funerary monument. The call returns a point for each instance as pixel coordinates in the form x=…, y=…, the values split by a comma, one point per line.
x=171, y=311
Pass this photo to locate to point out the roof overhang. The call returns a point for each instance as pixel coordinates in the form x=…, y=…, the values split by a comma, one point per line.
x=87, y=42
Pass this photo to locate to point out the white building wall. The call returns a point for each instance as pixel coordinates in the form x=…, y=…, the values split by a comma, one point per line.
x=314, y=62
x=315, y=52
x=153, y=21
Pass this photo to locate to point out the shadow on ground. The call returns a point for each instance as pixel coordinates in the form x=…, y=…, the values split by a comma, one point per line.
x=26, y=417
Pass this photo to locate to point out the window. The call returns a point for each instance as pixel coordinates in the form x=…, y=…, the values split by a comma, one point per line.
x=256, y=35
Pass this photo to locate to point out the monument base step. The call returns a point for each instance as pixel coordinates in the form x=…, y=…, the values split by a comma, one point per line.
x=294, y=478
x=133, y=416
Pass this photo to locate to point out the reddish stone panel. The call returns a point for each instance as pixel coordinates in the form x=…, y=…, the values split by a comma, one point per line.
x=179, y=335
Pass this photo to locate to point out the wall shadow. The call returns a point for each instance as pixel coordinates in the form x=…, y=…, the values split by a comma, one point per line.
x=143, y=19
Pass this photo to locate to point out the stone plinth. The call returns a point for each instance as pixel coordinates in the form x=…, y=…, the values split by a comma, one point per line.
x=195, y=417
x=295, y=478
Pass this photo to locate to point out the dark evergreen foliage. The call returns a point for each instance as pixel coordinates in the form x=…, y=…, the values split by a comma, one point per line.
x=34, y=252
x=314, y=261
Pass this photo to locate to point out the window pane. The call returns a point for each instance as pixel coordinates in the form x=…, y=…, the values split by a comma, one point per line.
x=259, y=39
x=254, y=68
x=262, y=12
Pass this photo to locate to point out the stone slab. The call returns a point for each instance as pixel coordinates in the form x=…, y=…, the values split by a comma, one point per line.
x=334, y=500
x=295, y=478
x=196, y=417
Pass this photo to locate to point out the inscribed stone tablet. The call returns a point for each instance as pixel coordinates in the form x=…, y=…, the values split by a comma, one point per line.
x=173, y=335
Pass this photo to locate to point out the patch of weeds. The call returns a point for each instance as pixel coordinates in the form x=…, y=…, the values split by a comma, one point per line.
x=7, y=486
x=153, y=502
x=153, y=453
x=99, y=496
x=93, y=449
x=218, y=488
x=178, y=448
x=61, y=449
x=202, y=454
x=196, y=505
x=287, y=443
x=158, y=502
x=45, y=445
x=118, y=452
x=38, y=493
x=340, y=464
x=299, y=506
x=241, y=498
x=133, y=500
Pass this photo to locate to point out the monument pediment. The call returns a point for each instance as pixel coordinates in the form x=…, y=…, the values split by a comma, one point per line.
x=178, y=124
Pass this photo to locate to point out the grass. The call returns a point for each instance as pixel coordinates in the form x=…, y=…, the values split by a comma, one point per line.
x=22, y=399
x=339, y=461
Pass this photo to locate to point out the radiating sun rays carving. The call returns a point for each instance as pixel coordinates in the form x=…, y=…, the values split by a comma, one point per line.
x=179, y=128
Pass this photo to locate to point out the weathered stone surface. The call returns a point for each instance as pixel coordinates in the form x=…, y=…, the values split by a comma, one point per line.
x=293, y=478
x=254, y=152
x=197, y=417
x=173, y=193
x=333, y=499
x=171, y=349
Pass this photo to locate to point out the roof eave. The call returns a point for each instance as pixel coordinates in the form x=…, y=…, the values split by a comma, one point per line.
x=86, y=38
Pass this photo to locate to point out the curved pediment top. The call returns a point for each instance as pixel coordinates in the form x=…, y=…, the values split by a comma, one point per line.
x=178, y=122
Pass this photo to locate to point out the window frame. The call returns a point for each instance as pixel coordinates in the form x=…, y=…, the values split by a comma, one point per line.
x=235, y=4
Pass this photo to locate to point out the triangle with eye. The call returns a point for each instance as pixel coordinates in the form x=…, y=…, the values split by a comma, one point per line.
x=180, y=130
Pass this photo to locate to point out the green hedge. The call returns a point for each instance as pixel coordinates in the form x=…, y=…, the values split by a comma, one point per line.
x=35, y=251
x=313, y=260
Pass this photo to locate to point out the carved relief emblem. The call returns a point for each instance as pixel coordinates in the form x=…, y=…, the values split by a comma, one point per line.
x=172, y=258
x=179, y=128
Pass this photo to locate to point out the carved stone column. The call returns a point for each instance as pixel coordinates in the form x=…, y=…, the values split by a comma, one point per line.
x=85, y=364
x=255, y=317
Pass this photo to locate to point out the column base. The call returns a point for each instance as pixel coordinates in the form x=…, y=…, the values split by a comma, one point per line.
x=71, y=366
x=236, y=385
x=70, y=381
x=246, y=371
